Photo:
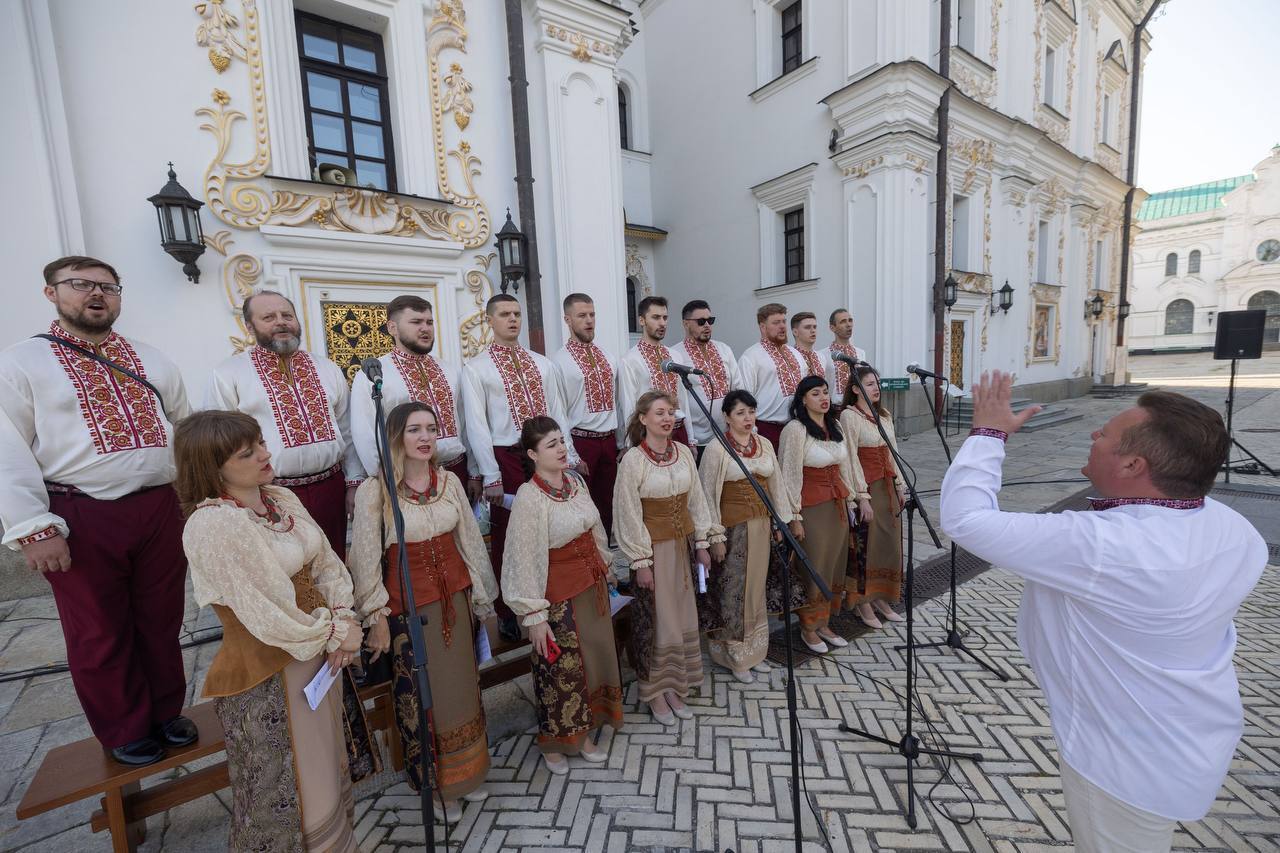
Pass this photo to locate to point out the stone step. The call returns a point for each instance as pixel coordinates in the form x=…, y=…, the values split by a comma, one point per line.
x=965, y=404
x=1049, y=416
x=1126, y=390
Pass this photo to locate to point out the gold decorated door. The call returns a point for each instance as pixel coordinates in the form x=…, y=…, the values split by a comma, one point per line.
x=955, y=369
x=354, y=331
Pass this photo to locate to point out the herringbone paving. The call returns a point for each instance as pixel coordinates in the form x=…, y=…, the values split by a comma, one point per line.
x=721, y=780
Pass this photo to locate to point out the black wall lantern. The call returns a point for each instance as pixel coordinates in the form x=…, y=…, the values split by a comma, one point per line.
x=180, y=232
x=1094, y=306
x=510, y=243
x=949, y=292
x=1123, y=310
x=1006, y=298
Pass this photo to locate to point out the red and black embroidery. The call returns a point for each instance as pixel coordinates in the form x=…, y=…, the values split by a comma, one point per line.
x=785, y=364
x=715, y=379
x=659, y=380
x=842, y=369
x=425, y=379
x=297, y=397
x=597, y=375
x=814, y=361
x=522, y=382
x=121, y=414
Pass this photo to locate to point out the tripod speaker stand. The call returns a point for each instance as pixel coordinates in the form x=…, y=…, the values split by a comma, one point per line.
x=1239, y=336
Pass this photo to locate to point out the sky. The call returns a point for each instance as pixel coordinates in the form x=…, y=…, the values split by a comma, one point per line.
x=1209, y=91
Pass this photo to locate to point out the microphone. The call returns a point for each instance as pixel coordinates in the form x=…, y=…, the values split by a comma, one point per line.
x=852, y=362
x=669, y=366
x=915, y=368
x=372, y=368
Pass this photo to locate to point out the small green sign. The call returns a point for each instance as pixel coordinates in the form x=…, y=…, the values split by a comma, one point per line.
x=894, y=384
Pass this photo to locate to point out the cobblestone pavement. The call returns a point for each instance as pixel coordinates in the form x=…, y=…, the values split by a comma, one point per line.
x=721, y=781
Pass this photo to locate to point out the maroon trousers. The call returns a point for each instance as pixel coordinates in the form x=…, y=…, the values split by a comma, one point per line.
x=601, y=455
x=513, y=477
x=326, y=503
x=459, y=468
x=680, y=434
x=121, y=605
x=772, y=431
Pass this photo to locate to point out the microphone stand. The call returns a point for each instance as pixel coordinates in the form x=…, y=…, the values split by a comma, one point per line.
x=414, y=621
x=793, y=722
x=908, y=746
x=954, y=640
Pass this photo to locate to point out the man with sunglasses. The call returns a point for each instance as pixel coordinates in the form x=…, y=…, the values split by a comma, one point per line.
x=86, y=457
x=715, y=360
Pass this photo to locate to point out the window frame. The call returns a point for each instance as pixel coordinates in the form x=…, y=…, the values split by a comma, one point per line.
x=624, y=118
x=1193, y=262
x=793, y=225
x=1183, y=316
x=1050, y=94
x=346, y=74
x=967, y=25
x=1167, y=272
x=794, y=35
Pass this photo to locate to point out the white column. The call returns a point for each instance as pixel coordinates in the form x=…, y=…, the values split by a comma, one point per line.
x=578, y=163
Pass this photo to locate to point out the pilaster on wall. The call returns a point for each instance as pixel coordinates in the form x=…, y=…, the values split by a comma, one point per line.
x=887, y=124
x=578, y=155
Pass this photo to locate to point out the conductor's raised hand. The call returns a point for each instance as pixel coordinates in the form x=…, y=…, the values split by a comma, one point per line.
x=991, y=404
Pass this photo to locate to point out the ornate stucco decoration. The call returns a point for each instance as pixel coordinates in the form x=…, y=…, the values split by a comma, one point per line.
x=474, y=329
x=995, y=31
x=583, y=46
x=1044, y=296
x=980, y=87
x=241, y=272
x=974, y=154
x=861, y=170
x=237, y=195
x=917, y=163
x=635, y=270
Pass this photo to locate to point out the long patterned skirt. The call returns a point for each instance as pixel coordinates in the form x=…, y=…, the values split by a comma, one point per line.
x=292, y=768
x=877, y=559
x=826, y=541
x=582, y=690
x=456, y=717
x=665, y=648
x=739, y=636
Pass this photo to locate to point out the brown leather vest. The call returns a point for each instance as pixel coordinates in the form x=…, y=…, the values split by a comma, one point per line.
x=573, y=568
x=667, y=518
x=739, y=502
x=244, y=661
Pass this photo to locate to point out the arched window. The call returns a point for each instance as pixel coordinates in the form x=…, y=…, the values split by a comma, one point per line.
x=1269, y=301
x=1193, y=262
x=1179, y=317
x=1170, y=264
x=624, y=125
x=631, y=306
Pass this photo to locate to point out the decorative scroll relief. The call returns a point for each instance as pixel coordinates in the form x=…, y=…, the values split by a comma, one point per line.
x=241, y=272
x=982, y=88
x=861, y=170
x=974, y=154
x=583, y=46
x=474, y=329
x=236, y=196
x=995, y=34
x=635, y=270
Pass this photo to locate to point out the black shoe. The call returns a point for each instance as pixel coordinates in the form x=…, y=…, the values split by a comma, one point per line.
x=144, y=750
x=177, y=732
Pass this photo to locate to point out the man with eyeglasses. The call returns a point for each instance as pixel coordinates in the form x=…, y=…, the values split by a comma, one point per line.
x=86, y=458
x=302, y=405
x=717, y=363
x=641, y=368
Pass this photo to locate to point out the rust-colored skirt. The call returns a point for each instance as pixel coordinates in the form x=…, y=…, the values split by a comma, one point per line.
x=582, y=690
x=457, y=716
x=826, y=541
x=876, y=561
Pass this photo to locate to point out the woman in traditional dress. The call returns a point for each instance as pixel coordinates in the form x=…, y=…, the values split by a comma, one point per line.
x=739, y=634
x=453, y=586
x=659, y=516
x=285, y=603
x=556, y=579
x=876, y=583
x=821, y=495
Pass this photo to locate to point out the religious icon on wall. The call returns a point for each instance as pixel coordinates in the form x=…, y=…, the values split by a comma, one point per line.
x=1042, y=330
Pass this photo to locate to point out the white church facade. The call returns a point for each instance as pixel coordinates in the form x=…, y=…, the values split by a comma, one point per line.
x=1205, y=249
x=740, y=152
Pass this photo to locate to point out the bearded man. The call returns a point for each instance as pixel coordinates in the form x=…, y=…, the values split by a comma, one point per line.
x=86, y=458
x=300, y=402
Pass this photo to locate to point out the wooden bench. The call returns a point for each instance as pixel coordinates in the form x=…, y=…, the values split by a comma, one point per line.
x=80, y=770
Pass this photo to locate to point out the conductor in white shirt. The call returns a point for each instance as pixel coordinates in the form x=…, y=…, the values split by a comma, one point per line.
x=1127, y=617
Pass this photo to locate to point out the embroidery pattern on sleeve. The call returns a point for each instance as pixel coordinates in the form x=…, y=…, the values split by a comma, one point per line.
x=597, y=375
x=300, y=404
x=119, y=413
x=422, y=376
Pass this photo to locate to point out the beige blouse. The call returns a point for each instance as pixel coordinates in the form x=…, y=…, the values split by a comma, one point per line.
x=640, y=477
x=242, y=561
x=860, y=432
x=538, y=524
x=798, y=451
x=449, y=512
x=717, y=468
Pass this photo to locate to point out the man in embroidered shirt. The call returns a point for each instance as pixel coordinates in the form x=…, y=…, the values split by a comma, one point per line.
x=770, y=370
x=715, y=360
x=804, y=331
x=841, y=324
x=301, y=403
x=1127, y=618
x=86, y=459
x=411, y=374
x=503, y=387
x=641, y=368
x=588, y=379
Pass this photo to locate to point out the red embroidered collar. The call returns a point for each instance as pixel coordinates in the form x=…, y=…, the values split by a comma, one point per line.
x=1099, y=504
x=58, y=332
